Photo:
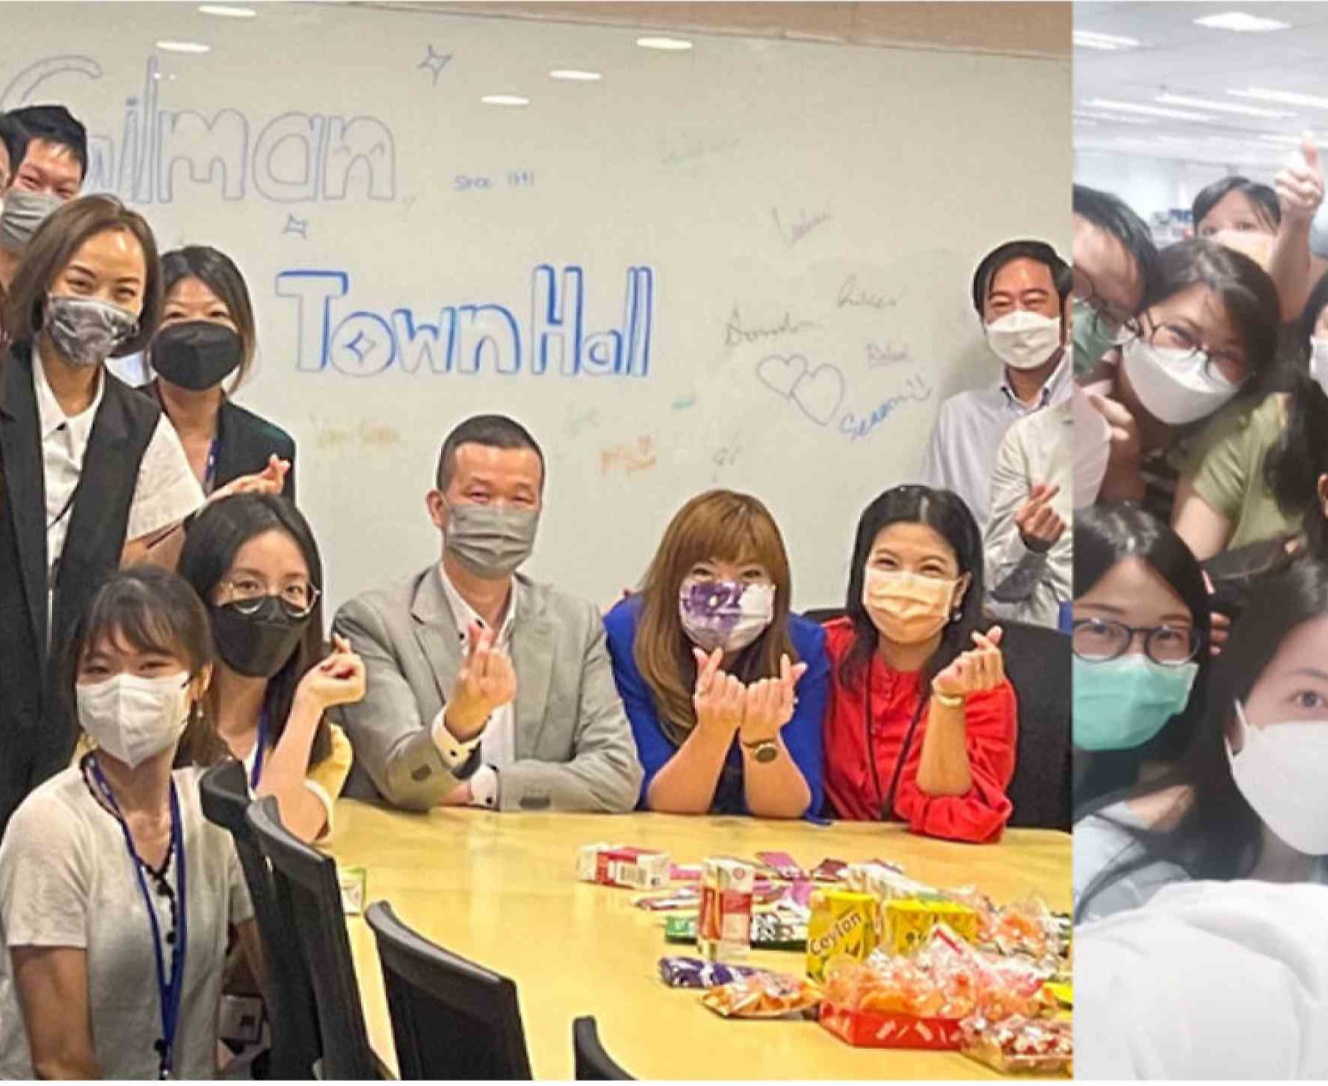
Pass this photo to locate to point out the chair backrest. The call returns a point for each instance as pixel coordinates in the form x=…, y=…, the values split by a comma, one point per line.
x=291, y=1009
x=593, y=1064
x=308, y=898
x=451, y=1019
x=1037, y=661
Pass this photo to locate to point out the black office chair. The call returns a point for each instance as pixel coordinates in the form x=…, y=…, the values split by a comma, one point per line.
x=593, y=1064
x=451, y=1018
x=308, y=900
x=290, y=1007
x=1037, y=662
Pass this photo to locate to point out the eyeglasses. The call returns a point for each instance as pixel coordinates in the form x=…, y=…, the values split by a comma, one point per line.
x=1223, y=367
x=1108, y=324
x=247, y=594
x=1100, y=639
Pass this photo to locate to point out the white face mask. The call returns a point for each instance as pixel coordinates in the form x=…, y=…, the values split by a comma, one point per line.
x=725, y=615
x=132, y=718
x=1282, y=770
x=1171, y=383
x=1319, y=361
x=1024, y=340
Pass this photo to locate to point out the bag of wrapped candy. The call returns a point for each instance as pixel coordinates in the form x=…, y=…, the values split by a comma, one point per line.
x=763, y=995
x=1020, y=1045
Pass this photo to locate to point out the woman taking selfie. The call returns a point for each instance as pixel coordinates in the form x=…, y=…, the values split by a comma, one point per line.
x=116, y=894
x=921, y=722
x=723, y=687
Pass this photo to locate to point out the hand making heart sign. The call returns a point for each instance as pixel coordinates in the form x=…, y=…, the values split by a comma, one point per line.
x=972, y=672
x=486, y=681
x=755, y=711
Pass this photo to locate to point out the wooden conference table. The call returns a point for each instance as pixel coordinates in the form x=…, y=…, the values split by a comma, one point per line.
x=501, y=890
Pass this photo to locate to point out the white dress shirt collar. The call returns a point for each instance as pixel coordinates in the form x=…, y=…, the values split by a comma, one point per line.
x=52, y=416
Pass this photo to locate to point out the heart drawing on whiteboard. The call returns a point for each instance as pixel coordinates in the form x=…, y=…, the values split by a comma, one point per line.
x=816, y=392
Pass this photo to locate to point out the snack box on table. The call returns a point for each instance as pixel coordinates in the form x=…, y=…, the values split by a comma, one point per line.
x=866, y=1030
x=614, y=865
x=909, y=924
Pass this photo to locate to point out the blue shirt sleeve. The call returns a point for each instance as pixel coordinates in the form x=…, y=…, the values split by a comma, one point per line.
x=652, y=746
x=804, y=734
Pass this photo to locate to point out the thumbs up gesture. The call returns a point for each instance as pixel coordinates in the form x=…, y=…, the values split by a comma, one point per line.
x=1300, y=188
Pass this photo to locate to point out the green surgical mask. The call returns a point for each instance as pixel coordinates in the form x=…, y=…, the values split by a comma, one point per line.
x=1091, y=340
x=1121, y=704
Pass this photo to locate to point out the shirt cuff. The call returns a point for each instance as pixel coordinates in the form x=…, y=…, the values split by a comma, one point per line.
x=484, y=788
x=455, y=753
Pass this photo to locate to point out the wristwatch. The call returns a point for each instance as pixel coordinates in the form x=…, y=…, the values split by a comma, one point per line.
x=764, y=750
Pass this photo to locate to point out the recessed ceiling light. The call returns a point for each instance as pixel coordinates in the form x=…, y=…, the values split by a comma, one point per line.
x=1271, y=137
x=668, y=45
x=1220, y=107
x=573, y=75
x=1086, y=122
x=1290, y=98
x=505, y=100
x=1113, y=118
x=1241, y=22
x=1091, y=40
x=183, y=47
x=226, y=11
x=1147, y=111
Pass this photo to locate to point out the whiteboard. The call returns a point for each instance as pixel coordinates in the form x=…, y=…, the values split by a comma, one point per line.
x=746, y=265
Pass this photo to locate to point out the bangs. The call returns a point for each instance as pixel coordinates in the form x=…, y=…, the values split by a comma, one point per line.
x=740, y=533
x=129, y=617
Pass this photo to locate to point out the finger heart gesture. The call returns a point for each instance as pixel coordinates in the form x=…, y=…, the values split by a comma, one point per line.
x=980, y=668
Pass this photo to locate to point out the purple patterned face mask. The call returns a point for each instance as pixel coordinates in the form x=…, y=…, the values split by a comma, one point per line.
x=725, y=615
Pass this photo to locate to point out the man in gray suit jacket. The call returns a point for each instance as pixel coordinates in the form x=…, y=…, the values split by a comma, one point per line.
x=485, y=688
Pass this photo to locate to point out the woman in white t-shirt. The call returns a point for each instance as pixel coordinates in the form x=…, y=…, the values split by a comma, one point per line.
x=116, y=894
x=1250, y=798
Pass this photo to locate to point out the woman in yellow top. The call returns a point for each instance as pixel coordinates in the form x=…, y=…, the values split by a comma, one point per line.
x=253, y=560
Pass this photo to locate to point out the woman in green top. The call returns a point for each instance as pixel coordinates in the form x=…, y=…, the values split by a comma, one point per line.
x=1259, y=468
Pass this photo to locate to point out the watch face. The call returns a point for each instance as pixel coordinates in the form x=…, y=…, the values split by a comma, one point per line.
x=766, y=752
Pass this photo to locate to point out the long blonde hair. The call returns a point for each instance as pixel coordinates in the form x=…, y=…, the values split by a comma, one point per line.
x=717, y=525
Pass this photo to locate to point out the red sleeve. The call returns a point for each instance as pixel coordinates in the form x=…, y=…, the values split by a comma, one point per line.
x=981, y=813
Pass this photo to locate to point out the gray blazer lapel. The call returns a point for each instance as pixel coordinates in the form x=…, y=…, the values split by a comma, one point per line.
x=436, y=632
x=532, y=657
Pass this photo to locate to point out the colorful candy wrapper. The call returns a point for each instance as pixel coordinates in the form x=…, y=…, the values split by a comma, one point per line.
x=1019, y=1045
x=763, y=995
x=829, y=871
x=725, y=922
x=352, y=881
x=681, y=897
x=782, y=866
x=679, y=972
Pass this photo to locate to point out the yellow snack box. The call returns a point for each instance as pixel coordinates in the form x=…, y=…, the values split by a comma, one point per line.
x=908, y=924
x=842, y=923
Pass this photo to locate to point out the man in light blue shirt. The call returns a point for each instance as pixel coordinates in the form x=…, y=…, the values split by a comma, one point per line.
x=1021, y=290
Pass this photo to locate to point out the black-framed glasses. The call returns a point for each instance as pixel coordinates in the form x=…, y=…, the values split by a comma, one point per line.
x=246, y=595
x=1101, y=639
x=1222, y=367
x=1108, y=324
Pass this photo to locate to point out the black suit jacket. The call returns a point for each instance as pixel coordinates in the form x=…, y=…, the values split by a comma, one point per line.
x=244, y=443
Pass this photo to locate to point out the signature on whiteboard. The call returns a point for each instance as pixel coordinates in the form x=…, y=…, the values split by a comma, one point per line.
x=802, y=225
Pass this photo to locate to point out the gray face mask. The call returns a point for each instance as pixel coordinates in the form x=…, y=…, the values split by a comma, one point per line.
x=86, y=331
x=490, y=540
x=23, y=213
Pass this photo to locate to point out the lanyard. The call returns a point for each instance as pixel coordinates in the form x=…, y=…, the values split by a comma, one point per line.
x=887, y=802
x=210, y=470
x=257, y=772
x=170, y=992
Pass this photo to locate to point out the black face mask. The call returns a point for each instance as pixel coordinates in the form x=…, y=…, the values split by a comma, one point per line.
x=260, y=643
x=196, y=354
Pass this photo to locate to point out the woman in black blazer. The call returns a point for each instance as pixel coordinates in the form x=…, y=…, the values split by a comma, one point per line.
x=207, y=335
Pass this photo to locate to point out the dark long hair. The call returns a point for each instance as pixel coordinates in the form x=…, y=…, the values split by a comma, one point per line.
x=151, y=610
x=1104, y=536
x=216, y=271
x=1261, y=197
x=945, y=513
x=214, y=537
x=1295, y=463
x=1220, y=834
x=1245, y=291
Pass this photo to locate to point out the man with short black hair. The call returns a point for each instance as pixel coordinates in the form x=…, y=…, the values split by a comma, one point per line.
x=485, y=688
x=49, y=173
x=13, y=144
x=1114, y=260
x=1021, y=292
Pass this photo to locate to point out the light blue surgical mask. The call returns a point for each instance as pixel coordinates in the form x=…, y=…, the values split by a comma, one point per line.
x=1091, y=339
x=1121, y=704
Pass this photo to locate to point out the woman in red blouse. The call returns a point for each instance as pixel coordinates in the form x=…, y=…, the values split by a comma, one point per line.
x=921, y=719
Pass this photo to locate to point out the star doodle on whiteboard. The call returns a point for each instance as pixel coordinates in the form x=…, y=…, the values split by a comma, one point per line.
x=434, y=62
x=297, y=226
